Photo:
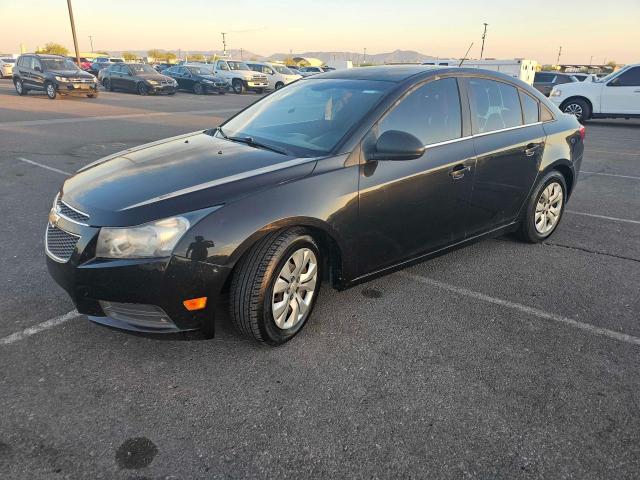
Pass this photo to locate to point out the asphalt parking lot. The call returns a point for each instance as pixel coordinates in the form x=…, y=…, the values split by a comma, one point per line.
x=501, y=360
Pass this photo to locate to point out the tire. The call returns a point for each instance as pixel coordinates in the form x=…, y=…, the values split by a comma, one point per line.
x=279, y=85
x=50, y=90
x=253, y=298
x=20, y=88
x=539, y=210
x=171, y=93
x=579, y=108
x=237, y=86
x=142, y=89
x=106, y=83
x=197, y=89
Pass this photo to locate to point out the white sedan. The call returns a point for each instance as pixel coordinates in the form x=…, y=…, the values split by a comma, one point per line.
x=6, y=66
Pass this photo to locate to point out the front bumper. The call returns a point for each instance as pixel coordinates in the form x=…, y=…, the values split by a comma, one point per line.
x=252, y=84
x=213, y=88
x=106, y=289
x=77, y=88
x=162, y=89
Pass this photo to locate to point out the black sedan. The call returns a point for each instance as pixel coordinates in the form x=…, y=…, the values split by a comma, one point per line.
x=338, y=178
x=137, y=77
x=198, y=80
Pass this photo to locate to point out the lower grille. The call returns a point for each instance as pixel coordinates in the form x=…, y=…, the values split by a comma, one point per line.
x=137, y=314
x=60, y=244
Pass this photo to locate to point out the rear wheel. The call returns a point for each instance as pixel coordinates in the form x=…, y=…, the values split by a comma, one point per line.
x=20, y=88
x=275, y=286
x=579, y=108
x=237, y=86
x=544, y=208
x=51, y=91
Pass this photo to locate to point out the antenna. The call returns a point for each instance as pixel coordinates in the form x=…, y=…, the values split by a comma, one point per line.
x=465, y=55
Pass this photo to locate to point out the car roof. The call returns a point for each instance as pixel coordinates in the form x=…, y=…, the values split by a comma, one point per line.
x=389, y=73
x=45, y=55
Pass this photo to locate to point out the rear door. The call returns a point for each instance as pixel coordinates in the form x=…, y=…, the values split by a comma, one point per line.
x=508, y=145
x=622, y=94
x=416, y=206
x=24, y=66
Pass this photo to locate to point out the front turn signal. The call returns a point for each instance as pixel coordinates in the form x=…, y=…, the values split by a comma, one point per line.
x=195, y=303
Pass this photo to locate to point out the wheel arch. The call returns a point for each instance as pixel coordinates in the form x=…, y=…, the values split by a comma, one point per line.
x=578, y=97
x=564, y=167
x=330, y=243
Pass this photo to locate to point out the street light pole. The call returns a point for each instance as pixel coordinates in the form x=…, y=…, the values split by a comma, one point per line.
x=73, y=31
x=91, y=42
x=364, y=57
x=484, y=35
x=224, y=44
x=559, y=54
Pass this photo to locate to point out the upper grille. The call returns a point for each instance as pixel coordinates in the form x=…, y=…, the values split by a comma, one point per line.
x=259, y=77
x=68, y=212
x=60, y=244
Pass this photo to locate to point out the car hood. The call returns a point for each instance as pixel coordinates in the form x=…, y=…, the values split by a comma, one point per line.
x=578, y=87
x=211, y=78
x=71, y=73
x=177, y=175
x=153, y=76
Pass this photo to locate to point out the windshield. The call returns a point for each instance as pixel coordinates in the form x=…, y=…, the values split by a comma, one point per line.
x=283, y=70
x=141, y=68
x=238, y=65
x=58, y=64
x=200, y=70
x=611, y=75
x=310, y=117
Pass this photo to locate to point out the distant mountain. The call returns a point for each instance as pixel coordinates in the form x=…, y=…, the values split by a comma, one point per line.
x=233, y=53
x=397, y=56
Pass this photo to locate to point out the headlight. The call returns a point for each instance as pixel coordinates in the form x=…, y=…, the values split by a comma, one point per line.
x=152, y=82
x=555, y=93
x=61, y=79
x=154, y=239
x=208, y=82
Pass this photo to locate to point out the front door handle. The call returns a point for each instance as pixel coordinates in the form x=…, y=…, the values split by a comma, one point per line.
x=531, y=149
x=458, y=171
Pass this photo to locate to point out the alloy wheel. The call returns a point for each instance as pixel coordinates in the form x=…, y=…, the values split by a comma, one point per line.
x=51, y=90
x=19, y=87
x=549, y=208
x=574, y=109
x=294, y=289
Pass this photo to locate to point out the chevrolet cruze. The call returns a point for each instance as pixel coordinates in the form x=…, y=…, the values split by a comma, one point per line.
x=337, y=178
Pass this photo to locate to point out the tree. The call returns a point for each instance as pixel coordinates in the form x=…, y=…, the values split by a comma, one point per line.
x=156, y=54
x=54, y=49
x=129, y=56
x=197, y=57
x=213, y=58
x=102, y=52
x=612, y=63
x=169, y=56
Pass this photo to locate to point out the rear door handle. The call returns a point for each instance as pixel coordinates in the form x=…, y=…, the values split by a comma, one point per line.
x=531, y=149
x=458, y=171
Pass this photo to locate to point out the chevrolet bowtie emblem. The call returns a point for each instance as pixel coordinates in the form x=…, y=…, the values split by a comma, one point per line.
x=54, y=218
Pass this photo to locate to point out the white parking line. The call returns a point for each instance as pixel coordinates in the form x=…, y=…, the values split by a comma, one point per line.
x=589, y=150
x=31, y=123
x=31, y=162
x=610, y=175
x=27, y=332
x=622, y=337
x=604, y=217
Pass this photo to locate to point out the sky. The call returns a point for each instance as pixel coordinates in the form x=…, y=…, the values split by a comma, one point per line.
x=528, y=29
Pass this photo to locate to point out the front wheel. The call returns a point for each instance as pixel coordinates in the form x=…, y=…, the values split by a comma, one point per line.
x=279, y=85
x=106, y=83
x=544, y=208
x=275, y=286
x=578, y=108
x=51, y=91
x=20, y=88
x=237, y=86
x=142, y=89
x=197, y=89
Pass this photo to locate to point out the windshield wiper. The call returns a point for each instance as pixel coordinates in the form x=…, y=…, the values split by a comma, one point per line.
x=252, y=143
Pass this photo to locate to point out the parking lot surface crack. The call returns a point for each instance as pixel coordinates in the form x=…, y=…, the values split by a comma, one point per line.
x=587, y=250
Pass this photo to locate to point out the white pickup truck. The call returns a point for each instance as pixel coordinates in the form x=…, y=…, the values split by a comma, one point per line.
x=615, y=96
x=240, y=76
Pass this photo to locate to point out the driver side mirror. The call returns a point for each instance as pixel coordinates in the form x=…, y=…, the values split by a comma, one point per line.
x=397, y=145
x=38, y=68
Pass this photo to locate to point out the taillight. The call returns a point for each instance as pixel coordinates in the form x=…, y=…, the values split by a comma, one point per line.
x=583, y=132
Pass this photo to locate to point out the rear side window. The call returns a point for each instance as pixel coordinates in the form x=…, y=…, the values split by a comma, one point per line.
x=529, y=108
x=545, y=114
x=431, y=113
x=494, y=105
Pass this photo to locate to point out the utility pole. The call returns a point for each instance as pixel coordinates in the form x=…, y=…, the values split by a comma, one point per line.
x=241, y=53
x=73, y=31
x=364, y=56
x=559, y=54
x=91, y=42
x=484, y=35
x=224, y=44
x=591, y=60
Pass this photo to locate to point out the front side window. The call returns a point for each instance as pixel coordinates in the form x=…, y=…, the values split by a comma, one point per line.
x=630, y=78
x=233, y=65
x=307, y=118
x=223, y=66
x=283, y=70
x=494, y=105
x=139, y=68
x=431, y=113
x=530, y=109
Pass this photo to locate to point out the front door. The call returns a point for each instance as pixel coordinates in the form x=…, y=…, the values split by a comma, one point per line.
x=37, y=75
x=411, y=207
x=509, y=147
x=622, y=94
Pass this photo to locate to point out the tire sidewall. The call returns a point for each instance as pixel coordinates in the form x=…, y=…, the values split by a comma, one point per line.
x=268, y=328
x=197, y=89
x=21, y=91
x=142, y=89
x=529, y=227
x=586, y=111
x=53, y=95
